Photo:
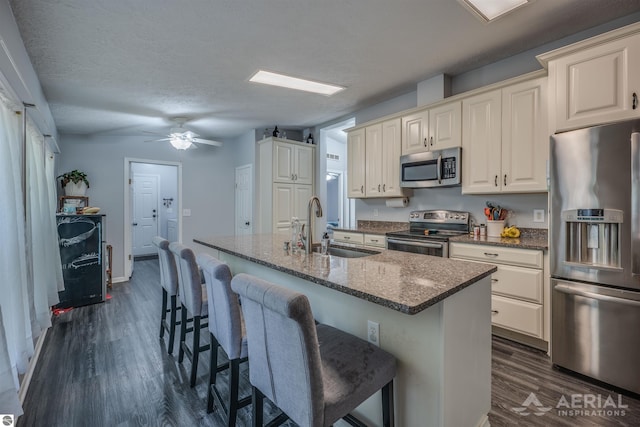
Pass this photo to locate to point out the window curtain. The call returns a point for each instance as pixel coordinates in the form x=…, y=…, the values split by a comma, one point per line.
x=18, y=340
x=29, y=253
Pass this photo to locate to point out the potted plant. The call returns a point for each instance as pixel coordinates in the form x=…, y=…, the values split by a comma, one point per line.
x=75, y=183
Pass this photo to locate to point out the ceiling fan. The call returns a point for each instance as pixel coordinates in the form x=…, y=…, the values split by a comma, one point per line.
x=181, y=138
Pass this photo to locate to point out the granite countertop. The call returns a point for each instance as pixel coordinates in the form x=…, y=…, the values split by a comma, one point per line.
x=375, y=227
x=402, y=281
x=530, y=238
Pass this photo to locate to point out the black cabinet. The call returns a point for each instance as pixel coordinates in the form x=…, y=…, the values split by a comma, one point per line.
x=82, y=253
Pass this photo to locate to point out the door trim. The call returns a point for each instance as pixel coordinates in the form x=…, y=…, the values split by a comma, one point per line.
x=127, y=255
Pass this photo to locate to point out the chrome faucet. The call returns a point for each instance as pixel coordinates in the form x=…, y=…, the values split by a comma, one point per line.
x=309, y=239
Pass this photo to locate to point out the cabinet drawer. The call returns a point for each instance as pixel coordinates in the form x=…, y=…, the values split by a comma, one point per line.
x=376, y=240
x=347, y=237
x=518, y=282
x=516, y=315
x=497, y=254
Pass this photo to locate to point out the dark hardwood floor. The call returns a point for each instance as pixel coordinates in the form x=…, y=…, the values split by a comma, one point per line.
x=104, y=365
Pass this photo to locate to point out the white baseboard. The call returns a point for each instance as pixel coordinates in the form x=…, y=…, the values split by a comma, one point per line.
x=24, y=385
x=119, y=279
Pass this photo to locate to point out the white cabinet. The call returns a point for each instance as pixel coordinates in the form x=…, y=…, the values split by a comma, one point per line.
x=432, y=129
x=519, y=302
x=373, y=161
x=289, y=200
x=348, y=237
x=415, y=132
x=292, y=162
x=356, y=163
x=373, y=241
x=595, y=81
x=505, y=140
x=284, y=183
x=481, y=132
x=445, y=126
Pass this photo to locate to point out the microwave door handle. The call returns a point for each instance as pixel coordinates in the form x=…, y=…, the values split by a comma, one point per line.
x=439, y=168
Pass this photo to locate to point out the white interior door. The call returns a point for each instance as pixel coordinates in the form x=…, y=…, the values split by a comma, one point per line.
x=145, y=213
x=244, y=200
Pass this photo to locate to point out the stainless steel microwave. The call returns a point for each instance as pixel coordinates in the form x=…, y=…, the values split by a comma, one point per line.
x=440, y=168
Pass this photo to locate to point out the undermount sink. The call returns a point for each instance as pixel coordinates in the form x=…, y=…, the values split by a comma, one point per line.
x=345, y=252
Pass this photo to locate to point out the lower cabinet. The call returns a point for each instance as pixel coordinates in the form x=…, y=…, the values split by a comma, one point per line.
x=519, y=303
x=289, y=200
x=367, y=240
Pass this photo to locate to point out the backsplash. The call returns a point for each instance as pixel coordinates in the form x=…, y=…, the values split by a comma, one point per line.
x=521, y=206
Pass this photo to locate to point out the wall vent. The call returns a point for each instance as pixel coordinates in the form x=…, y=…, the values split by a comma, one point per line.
x=333, y=156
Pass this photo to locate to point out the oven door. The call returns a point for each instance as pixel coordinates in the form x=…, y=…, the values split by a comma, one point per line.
x=426, y=247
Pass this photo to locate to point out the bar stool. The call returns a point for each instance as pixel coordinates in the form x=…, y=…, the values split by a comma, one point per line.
x=314, y=374
x=194, y=302
x=226, y=331
x=169, y=283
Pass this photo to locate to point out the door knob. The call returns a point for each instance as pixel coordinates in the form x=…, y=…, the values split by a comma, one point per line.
x=154, y=211
x=246, y=223
x=154, y=215
x=134, y=224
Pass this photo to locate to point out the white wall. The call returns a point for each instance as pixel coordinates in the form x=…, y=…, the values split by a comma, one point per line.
x=167, y=189
x=207, y=183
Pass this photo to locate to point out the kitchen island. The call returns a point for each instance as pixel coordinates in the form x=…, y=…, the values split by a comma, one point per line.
x=434, y=316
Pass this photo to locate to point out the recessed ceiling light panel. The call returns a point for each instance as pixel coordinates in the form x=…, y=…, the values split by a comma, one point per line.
x=275, y=79
x=489, y=10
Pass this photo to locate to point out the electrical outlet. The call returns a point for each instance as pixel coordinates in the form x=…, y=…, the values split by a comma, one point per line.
x=538, y=215
x=186, y=212
x=373, y=332
x=375, y=212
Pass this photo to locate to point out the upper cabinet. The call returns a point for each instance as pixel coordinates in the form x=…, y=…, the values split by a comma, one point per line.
x=292, y=162
x=355, y=163
x=505, y=140
x=432, y=129
x=373, y=160
x=595, y=81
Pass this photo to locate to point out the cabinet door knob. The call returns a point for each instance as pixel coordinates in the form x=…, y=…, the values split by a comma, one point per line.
x=378, y=188
x=384, y=187
x=490, y=254
x=425, y=142
x=247, y=223
x=362, y=189
x=505, y=179
x=431, y=141
x=635, y=101
x=495, y=181
x=494, y=312
x=291, y=177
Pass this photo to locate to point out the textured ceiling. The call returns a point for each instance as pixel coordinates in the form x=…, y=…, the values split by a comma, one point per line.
x=120, y=67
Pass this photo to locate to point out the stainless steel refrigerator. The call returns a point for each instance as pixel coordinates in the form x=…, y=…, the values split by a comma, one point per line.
x=595, y=252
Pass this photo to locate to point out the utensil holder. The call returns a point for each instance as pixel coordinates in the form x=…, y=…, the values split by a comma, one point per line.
x=494, y=228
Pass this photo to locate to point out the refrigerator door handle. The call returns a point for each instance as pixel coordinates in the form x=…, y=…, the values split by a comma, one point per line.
x=635, y=204
x=573, y=291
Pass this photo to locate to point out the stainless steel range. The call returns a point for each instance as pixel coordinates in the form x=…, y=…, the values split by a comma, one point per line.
x=429, y=232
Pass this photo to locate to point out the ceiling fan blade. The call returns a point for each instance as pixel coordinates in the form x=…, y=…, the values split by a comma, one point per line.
x=157, y=140
x=208, y=142
x=148, y=132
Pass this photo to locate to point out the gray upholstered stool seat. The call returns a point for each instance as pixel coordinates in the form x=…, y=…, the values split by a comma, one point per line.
x=169, y=283
x=226, y=330
x=193, y=297
x=314, y=374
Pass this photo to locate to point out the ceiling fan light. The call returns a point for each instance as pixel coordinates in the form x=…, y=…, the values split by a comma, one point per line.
x=180, y=143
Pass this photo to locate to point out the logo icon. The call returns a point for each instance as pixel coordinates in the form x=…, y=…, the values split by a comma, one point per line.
x=7, y=420
x=532, y=405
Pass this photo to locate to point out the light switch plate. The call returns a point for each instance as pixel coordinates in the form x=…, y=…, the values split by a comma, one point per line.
x=186, y=212
x=538, y=215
